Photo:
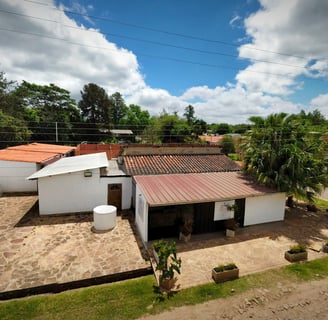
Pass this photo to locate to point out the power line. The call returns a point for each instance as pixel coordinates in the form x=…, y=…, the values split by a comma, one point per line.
x=151, y=41
x=148, y=55
x=166, y=32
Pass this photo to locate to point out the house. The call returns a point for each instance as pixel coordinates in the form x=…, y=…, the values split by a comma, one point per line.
x=80, y=183
x=16, y=163
x=163, y=185
x=122, y=135
x=196, y=186
x=161, y=200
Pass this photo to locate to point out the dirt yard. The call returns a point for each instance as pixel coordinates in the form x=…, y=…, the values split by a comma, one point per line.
x=283, y=302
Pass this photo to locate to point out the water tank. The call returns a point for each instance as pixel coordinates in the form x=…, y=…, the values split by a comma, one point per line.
x=104, y=218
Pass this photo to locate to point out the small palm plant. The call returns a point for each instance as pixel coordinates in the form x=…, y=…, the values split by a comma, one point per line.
x=168, y=262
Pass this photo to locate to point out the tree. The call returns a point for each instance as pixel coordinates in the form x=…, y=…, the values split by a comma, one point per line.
x=135, y=119
x=199, y=127
x=13, y=131
x=49, y=110
x=95, y=105
x=10, y=103
x=223, y=128
x=118, y=108
x=189, y=115
x=227, y=144
x=281, y=153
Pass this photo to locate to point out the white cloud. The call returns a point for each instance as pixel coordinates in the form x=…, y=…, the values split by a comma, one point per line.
x=52, y=48
x=72, y=55
x=234, y=20
x=321, y=103
x=293, y=27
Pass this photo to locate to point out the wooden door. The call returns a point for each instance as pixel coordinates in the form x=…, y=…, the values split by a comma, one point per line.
x=114, y=195
x=203, y=218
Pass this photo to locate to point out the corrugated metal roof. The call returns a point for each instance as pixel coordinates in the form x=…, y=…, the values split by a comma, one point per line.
x=163, y=190
x=121, y=131
x=178, y=163
x=72, y=164
x=34, y=152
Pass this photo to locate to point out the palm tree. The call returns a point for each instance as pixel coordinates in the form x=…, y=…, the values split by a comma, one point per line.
x=281, y=153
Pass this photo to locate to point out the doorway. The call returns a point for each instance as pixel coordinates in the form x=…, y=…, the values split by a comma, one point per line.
x=114, y=195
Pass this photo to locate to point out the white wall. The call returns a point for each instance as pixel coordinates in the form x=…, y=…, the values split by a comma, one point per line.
x=141, y=211
x=324, y=194
x=13, y=174
x=221, y=211
x=69, y=193
x=267, y=208
x=126, y=189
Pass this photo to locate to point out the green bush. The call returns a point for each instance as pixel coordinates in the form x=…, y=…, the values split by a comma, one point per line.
x=225, y=267
x=297, y=248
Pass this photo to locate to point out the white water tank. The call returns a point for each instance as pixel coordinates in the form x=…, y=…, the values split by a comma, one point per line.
x=104, y=217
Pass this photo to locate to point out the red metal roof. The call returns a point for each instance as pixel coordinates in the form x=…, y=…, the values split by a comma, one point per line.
x=34, y=152
x=177, y=163
x=163, y=190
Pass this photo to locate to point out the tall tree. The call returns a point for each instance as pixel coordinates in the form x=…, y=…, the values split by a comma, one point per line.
x=189, y=114
x=51, y=111
x=280, y=152
x=135, y=119
x=118, y=108
x=95, y=105
x=13, y=131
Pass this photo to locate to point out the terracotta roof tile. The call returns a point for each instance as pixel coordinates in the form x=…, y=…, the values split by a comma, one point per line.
x=34, y=152
x=177, y=163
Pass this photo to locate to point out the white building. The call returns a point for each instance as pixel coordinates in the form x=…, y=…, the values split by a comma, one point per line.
x=17, y=163
x=80, y=183
x=161, y=199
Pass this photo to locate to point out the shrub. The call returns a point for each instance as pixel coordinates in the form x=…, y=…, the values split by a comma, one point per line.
x=297, y=248
x=225, y=267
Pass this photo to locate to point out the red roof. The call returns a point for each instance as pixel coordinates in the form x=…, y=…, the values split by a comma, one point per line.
x=177, y=163
x=211, y=139
x=34, y=152
x=163, y=190
x=112, y=150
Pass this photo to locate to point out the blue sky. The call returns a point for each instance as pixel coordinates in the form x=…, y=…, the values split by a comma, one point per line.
x=161, y=54
x=230, y=59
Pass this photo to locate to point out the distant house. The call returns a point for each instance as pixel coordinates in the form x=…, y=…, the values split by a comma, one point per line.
x=80, y=183
x=123, y=136
x=16, y=163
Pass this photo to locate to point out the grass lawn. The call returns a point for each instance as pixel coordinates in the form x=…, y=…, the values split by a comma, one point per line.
x=134, y=298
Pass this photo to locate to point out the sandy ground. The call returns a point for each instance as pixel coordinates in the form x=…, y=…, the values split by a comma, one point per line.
x=303, y=301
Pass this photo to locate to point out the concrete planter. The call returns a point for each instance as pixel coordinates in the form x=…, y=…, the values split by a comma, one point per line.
x=184, y=238
x=325, y=248
x=295, y=257
x=230, y=232
x=226, y=275
x=167, y=284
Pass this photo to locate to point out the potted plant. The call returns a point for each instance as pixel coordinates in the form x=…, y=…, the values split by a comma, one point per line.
x=185, y=230
x=231, y=227
x=296, y=253
x=168, y=263
x=225, y=272
x=325, y=246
